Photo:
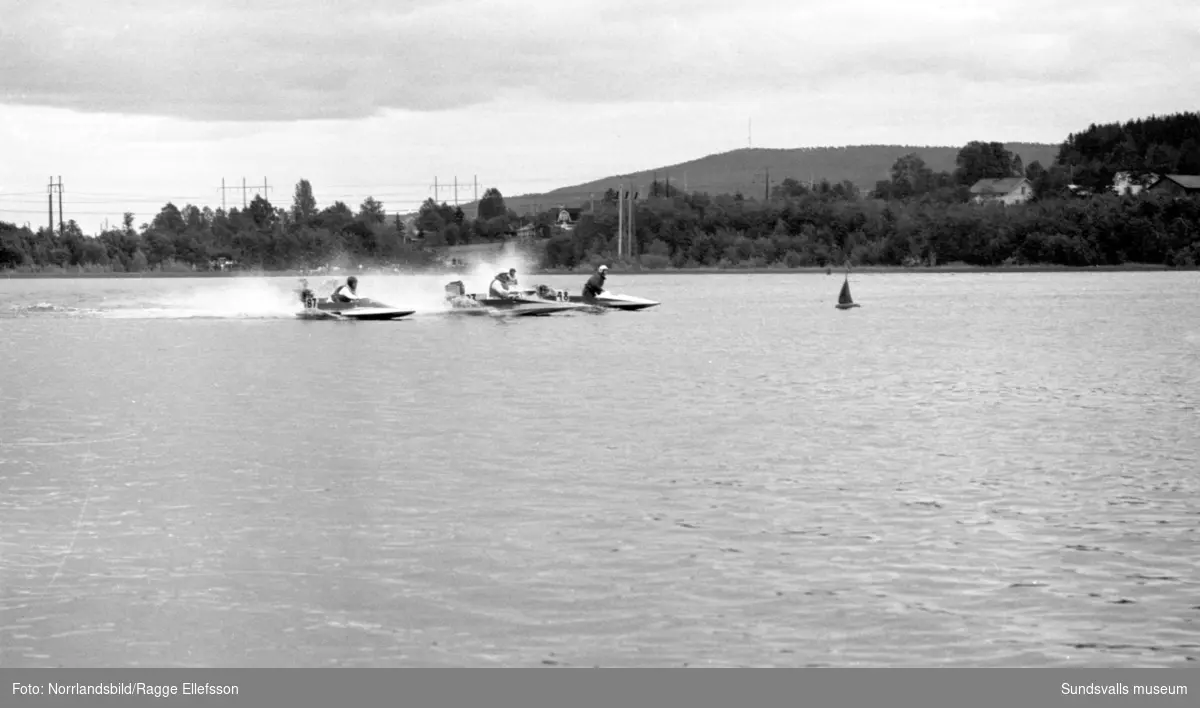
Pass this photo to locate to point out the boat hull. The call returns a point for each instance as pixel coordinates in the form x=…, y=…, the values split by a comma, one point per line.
x=512, y=307
x=367, y=310
x=609, y=302
x=375, y=313
x=846, y=305
x=615, y=302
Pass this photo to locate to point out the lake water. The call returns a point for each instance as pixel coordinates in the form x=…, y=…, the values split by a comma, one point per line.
x=981, y=469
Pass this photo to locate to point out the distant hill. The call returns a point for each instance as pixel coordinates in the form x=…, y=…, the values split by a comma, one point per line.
x=746, y=169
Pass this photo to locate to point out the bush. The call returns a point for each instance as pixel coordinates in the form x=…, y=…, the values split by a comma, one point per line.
x=652, y=261
x=173, y=266
x=791, y=259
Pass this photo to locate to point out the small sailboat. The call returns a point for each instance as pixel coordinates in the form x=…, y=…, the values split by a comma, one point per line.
x=845, y=301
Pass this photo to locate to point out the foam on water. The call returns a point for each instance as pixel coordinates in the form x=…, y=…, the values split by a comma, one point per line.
x=425, y=292
x=246, y=298
x=41, y=308
x=480, y=276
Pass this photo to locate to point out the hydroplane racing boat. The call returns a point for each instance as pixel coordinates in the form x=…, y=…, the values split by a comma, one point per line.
x=604, y=300
x=522, y=306
x=360, y=309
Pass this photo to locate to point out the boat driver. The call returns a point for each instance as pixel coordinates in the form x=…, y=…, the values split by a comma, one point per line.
x=595, y=284
x=502, y=284
x=340, y=295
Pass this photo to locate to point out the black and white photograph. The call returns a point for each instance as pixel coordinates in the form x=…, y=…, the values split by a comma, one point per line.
x=582, y=334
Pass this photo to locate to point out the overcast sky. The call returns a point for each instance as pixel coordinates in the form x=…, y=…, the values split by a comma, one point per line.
x=137, y=102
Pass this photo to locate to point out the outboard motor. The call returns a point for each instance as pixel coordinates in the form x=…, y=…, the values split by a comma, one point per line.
x=549, y=293
x=307, y=296
x=455, y=289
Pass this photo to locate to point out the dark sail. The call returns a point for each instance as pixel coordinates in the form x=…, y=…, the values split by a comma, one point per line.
x=844, y=297
x=845, y=302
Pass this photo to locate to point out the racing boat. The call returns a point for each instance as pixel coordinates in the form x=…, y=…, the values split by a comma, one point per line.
x=361, y=309
x=462, y=303
x=605, y=300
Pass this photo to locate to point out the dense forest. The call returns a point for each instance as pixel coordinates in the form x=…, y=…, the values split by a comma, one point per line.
x=918, y=216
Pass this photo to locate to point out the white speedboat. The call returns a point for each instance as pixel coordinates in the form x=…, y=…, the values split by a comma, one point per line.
x=463, y=303
x=605, y=299
x=362, y=309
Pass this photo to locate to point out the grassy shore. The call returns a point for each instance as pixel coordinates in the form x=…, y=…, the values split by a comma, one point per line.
x=616, y=269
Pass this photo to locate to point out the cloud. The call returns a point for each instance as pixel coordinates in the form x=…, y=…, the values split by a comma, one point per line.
x=311, y=59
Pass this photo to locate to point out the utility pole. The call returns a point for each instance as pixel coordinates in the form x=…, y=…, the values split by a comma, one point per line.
x=767, y=187
x=476, y=179
x=50, y=190
x=631, y=230
x=620, y=218
x=243, y=188
x=265, y=190
x=633, y=227
x=50, y=205
x=435, y=190
x=455, y=190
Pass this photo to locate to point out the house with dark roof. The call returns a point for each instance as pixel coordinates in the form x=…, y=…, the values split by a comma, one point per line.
x=1177, y=185
x=1006, y=190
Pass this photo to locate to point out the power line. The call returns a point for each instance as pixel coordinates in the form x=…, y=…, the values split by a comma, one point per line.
x=395, y=196
x=143, y=197
x=265, y=188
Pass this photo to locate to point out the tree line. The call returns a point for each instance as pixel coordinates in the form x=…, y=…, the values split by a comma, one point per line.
x=916, y=216
x=260, y=236
x=922, y=217
x=821, y=226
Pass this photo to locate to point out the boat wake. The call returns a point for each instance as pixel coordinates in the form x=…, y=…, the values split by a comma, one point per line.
x=151, y=313
x=259, y=298
x=250, y=297
x=43, y=308
x=241, y=298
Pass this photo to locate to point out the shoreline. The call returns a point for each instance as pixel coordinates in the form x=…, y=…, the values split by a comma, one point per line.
x=813, y=270
x=615, y=270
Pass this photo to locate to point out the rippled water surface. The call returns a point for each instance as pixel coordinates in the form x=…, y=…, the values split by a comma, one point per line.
x=968, y=470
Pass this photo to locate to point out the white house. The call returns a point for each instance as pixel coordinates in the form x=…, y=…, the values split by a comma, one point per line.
x=568, y=217
x=1124, y=183
x=1006, y=190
